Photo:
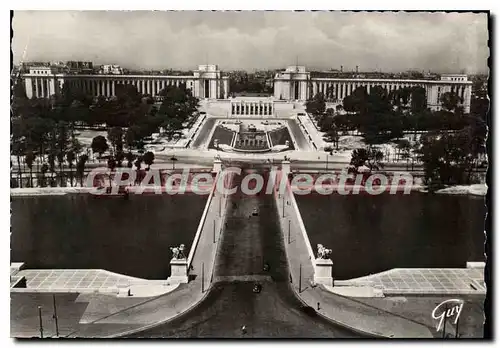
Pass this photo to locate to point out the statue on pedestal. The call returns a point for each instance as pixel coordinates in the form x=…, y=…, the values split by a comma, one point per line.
x=178, y=252
x=323, y=253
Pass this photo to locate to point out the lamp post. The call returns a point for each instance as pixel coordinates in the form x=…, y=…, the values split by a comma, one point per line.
x=300, y=278
x=283, y=205
x=173, y=159
x=220, y=205
x=289, y=221
x=40, y=318
x=203, y=277
x=55, y=315
x=444, y=324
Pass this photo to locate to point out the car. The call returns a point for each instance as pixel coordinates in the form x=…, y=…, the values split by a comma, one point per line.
x=257, y=288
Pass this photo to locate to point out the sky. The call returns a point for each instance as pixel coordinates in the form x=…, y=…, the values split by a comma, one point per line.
x=388, y=41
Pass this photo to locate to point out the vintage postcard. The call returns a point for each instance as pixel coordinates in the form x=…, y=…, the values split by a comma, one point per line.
x=223, y=174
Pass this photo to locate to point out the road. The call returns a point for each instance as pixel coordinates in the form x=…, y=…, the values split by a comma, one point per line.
x=204, y=133
x=249, y=242
x=298, y=135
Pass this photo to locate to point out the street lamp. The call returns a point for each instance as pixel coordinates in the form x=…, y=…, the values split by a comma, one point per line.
x=173, y=159
x=40, y=318
x=55, y=315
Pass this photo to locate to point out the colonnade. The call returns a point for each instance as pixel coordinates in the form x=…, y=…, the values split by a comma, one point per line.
x=251, y=108
x=107, y=86
x=338, y=90
x=42, y=87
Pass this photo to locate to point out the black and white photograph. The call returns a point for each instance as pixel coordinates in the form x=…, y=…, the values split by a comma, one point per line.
x=249, y=174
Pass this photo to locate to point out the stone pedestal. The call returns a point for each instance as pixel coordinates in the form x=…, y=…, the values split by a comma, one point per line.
x=217, y=166
x=285, y=168
x=178, y=271
x=323, y=271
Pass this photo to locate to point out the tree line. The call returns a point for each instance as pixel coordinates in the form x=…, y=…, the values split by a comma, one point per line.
x=449, y=148
x=44, y=132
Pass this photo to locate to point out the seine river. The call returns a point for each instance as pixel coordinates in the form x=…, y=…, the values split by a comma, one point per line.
x=370, y=234
x=131, y=237
x=367, y=234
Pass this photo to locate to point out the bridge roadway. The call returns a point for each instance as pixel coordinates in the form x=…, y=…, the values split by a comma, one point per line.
x=248, y=243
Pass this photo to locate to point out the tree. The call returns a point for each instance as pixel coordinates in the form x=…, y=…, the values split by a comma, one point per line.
x=115, y=136
x=119, y=158
x=99, y=145
x=316, y=106
x=70, y=157
x=130, y=157
x=404, y=148
x=44, y=169
x=369, y=157
x=18, y=146
x=418, y=100
x=137, y=164
x=29, y=159
x=111, y=166
x=51, y=158
x=450, y=101
x=332, y=136
x=149, y=158
x=171, y=126
x=80, y=168
x=131, y=136
x=60, y=160
x=178, y=103
x=448, y=158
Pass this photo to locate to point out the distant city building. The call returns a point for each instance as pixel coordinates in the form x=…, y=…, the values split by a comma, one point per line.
x=111, y=69
x=453, y=77
x=80, y=67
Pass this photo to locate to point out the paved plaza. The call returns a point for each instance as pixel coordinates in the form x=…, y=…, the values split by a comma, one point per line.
x=89, y=281
x=450, y=281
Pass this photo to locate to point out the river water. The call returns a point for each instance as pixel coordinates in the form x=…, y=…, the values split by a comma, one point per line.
x=370, y=234
x=367, y=234
x=131, y=237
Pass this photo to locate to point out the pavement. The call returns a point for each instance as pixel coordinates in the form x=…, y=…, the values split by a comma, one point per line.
x=420, y=281
x=90, y=281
